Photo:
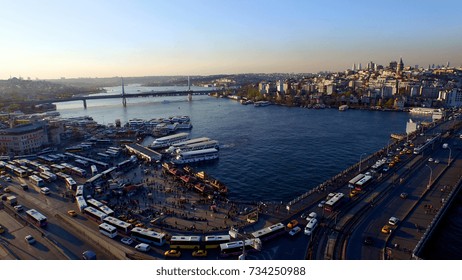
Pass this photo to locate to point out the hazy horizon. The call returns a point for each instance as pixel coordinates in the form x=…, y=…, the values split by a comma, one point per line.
x=53, y=39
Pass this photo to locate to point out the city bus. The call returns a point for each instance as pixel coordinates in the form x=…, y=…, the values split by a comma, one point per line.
x=269, y=232
x=79, y=190
x=70, y=183
x=237, y=247
x=81, y=203
x=108, y=230
x=94, y=214
x=352, y=182
x=122, y=226
x=79, y=171
x=36, y=218
x=361, y=184
x=106, y=210
x=95, y=203
x=185, y=242
x=148, y=236
x=37, y=181
x=45, y=177
x=333, y=203
x=20, y=172
x=214, y=241
x=82, y=162
x=94, y=170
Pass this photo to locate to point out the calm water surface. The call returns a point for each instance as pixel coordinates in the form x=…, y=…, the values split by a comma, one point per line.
x=269, y=153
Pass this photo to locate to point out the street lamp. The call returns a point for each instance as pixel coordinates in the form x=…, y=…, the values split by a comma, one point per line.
x=430, y=179
x=360, y=160
x=446, y=146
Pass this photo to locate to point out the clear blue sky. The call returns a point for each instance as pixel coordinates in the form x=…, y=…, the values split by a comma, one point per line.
x=95, y=38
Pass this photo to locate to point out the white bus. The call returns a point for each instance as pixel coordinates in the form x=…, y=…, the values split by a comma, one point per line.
x=94, y=213
x=95, y=203
x=148, y=236
x=269, y=232
x=82, y=162
x=214, y=241
x=79, y=191
x=94, y=170
x=36, y=217
x=185, y=242
x=352, y=182
x=122, y=226
x=106, y=210
x=81, y=203
x=70, y=183
x=108, y=230
x=235, y=247
x=37, y=181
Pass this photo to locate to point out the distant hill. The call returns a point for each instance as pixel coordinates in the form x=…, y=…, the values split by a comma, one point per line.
x=16, y=89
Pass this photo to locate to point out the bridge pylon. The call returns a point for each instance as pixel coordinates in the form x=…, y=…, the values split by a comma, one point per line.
x=124, y=100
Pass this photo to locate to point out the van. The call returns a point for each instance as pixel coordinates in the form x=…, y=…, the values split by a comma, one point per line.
x=311, y=226
x=45, y=191
x=143, y=247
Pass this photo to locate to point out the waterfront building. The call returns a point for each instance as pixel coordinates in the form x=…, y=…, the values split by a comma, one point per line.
x=24, y=139
x=452, y=98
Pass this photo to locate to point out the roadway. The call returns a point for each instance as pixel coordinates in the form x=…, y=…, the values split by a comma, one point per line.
x=415, y=212
x=56, y=232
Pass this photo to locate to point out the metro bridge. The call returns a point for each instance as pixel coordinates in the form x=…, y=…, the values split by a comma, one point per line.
x=123, y=96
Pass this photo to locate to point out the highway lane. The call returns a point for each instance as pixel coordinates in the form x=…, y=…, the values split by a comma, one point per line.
x=49, y=205
x=393, y=205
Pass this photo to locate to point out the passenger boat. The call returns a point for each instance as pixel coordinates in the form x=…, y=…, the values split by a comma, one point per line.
x=167, y=141
x=198, y=146
x=196, y=156
x=261, y=103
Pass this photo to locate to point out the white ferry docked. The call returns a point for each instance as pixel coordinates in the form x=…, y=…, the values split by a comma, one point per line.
x=196, y=156
x=169, y=140
x=178, y=145
x=198, y=146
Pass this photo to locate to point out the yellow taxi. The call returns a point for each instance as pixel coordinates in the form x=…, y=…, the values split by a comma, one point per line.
x=292, y=224
x=386, y=229
x=172, y=253
x=199, y=253
x=72, y=213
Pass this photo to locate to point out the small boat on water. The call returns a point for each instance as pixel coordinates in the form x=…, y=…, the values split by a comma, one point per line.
x=261, y=103
x=343, y=108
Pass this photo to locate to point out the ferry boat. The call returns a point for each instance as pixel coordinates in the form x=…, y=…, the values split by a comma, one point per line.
x=196, y=156
x=261, y=103
x=178, y=145
x=198, y=146
x=167, y=141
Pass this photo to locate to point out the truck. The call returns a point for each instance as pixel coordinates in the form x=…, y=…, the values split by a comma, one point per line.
x=12, y=200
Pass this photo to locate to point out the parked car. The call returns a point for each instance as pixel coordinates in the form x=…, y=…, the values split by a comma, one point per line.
x=403, y=195
x=18, y=208
x=321, y=204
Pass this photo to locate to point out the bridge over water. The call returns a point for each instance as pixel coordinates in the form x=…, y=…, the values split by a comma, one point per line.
x=125, y=96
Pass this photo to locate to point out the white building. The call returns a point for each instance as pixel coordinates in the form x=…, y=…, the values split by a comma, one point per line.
x=453, y=98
